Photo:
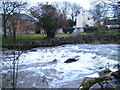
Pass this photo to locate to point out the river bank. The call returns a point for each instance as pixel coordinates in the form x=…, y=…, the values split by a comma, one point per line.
x=80, y=39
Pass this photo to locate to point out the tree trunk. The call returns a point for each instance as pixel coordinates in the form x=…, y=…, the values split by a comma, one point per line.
x=51, y=34
x=88, y=83
x=4, y=26
x=5, y=33
x=14, y=34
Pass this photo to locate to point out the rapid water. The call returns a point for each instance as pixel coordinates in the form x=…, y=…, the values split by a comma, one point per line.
x=44, y=67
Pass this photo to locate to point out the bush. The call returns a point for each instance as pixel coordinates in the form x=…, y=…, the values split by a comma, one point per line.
x=90, y=29
x=68, y=30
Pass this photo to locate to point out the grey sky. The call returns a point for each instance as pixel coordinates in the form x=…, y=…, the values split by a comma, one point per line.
x=84, y=3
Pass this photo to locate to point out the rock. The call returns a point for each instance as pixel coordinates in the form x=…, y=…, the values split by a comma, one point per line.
x=31, y=43
x=117, y=66
x=63, y=46
x=116, y=74
x=104, y=72
x=54, y=61
x=94, y=57
x=25, y=51
x=33, y=49
x=70, y=60
x=101, y=67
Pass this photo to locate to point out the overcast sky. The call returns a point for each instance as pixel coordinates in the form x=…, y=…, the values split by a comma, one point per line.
x=84, y=3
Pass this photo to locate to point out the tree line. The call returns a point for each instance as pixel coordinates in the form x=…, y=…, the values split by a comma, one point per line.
x=107, y=11
x=51, y=17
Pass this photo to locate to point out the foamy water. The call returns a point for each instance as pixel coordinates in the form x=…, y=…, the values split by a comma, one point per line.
x=58, y=74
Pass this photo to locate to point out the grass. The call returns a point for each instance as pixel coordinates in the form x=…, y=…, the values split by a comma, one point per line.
x=110, y=32
x=69, y=35
x=23, y=38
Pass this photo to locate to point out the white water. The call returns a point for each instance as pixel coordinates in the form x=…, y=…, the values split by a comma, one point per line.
x=90, y=59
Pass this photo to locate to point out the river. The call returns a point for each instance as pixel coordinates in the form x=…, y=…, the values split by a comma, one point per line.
x=44, y=67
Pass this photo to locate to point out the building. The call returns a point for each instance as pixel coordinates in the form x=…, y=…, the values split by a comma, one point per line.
x=84, y=19
x=24, y=24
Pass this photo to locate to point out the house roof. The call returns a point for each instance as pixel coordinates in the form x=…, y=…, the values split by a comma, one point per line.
x=25, y=17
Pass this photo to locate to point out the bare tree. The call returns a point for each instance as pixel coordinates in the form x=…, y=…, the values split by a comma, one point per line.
x=68, y=9
x=9, y=9
x=116, y=11
x=62, y=7
x=101, y=11
x=74, y=10
x=11, y=64
x=105, y=9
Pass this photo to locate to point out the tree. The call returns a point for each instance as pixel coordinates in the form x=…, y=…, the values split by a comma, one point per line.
x=62, y=7
x=13, y=68
x=101, y=11
x=116, y=11
x=10, y=9
x=104, y=10
x=74, y=10
x=68, y=9
x=49, y=18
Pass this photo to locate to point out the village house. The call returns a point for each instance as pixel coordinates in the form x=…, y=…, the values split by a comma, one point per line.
x=84, y=19
x=25, y=24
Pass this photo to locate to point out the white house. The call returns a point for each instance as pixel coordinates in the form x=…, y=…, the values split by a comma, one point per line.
x=84, y=19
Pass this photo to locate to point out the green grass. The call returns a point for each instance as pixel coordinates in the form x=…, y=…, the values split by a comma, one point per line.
x=69, y=35
x=63, y=35
x=23, y=38
x=110, y=32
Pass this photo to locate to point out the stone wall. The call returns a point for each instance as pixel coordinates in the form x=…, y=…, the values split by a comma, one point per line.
x=81, y=39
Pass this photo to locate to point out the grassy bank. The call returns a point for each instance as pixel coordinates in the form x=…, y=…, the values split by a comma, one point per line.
x=110, y=32
x=21, y=39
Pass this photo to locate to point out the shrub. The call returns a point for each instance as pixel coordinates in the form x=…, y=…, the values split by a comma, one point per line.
x=90, y=29
x=68, y=30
